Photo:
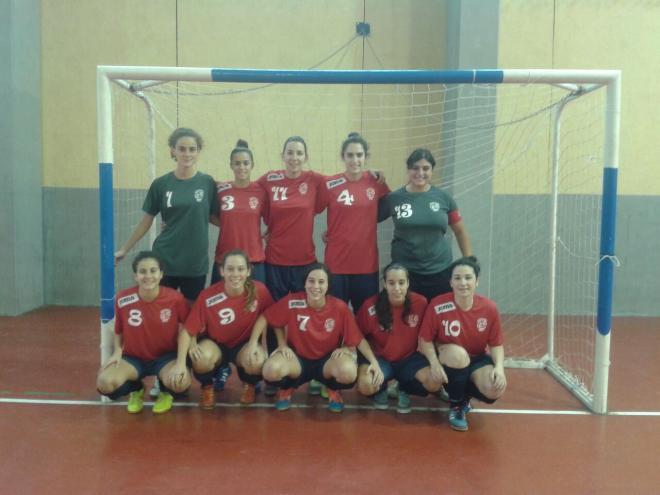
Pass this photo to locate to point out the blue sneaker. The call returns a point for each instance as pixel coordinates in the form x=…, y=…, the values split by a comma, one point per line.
x=403, y=403
x=466, y=406
x=220, y=378
x=381, y=400
x=283, y=401
x=457, y=420
x=335, y=401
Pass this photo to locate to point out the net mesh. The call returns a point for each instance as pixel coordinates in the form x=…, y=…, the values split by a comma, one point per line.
x=493, y=146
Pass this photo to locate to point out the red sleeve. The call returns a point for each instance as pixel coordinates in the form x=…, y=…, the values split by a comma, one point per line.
x=454, y=217
x=278, y=314
x=265, y=299
x=352, y=334
x=363, y=318
x=183, y=308
x=196, y=322
x=428, y=330
x=496, y=337
x=119, y=324
x=383, y=189
x=321, y=196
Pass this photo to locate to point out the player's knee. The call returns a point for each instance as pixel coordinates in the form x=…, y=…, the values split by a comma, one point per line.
x=346, y=373
x=454, y=356
x=273, y=370
x=107, y=384
x=365, y=386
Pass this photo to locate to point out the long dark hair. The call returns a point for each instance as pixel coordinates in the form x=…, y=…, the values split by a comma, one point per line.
x=383, y=306
x=250, y=289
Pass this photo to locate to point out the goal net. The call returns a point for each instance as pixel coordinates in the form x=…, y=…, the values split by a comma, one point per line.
x=524, y=161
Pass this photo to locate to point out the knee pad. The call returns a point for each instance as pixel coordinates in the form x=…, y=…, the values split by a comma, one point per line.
x=126, y=388
x=414, y=387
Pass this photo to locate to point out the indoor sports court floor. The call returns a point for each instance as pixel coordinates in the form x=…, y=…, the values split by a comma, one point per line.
x=57, y=437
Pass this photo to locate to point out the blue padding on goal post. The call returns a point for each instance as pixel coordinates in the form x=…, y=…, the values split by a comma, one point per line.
x=357, y=76
x=107, y=242
x=607, y=245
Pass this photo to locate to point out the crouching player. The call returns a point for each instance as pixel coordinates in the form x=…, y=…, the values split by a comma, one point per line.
x=461, y=339
x=220, y=324
x=317, y=336
x=147, y=339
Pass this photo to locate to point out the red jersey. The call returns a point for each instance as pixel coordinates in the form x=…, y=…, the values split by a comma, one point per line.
x=290, y=219
x=313, y=333
x=352, y=218
x=445, y=323
x=225, y=318
x=401, y=341
x=241, y=210
x=149, y=329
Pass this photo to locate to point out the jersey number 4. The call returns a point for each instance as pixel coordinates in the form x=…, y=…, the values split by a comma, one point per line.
x=345, y=197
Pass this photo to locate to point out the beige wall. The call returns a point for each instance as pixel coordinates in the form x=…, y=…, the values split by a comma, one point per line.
x=597, y=34
x=79, y=35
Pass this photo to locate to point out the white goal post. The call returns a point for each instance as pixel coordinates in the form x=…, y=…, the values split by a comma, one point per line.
x=531, y=157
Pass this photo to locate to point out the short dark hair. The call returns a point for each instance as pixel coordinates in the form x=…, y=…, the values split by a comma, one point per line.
x=185, y=132
x=143, y=255
x=470, y=261
x=420, y=154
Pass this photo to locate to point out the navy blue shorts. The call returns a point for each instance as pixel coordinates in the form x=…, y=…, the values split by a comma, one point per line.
x=258, y=273
x=190, y=287
x=311, y=369
x=228, y=354
x=149, y=368
x=282, y=280
x=397, y=370
x=430, y=285
x=354, y=289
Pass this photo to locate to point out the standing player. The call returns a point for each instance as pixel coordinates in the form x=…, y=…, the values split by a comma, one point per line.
x=222, y=319
x=242, y=206
x=148, y=340
x=390, y=322
x=185, y=199
x=422, y=214
x=351, y=198
x=461, y=342
x=292, y=196
x=316, y=336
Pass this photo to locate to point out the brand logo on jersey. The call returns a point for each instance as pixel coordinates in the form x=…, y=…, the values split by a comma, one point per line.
x=199, y=195
x=371, y=193
x=434, y=205
x=335, y=182
x=482, y=324
x=329, y=325
x=125, y=301
x=275, y=176
x=217, y=299
x=253, y=202
x=303, y=188
x=165, y=315
x=444, y=308
x=297, y=303
x=223, y=186
x=413, y=320
x=372, y=310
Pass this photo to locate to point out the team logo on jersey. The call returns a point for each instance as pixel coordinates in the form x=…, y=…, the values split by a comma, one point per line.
x=253, y=202
x=413, y=320
x=275, y=176
x=303, y=188
x=165, y=315
x=329, y=325
x=199, y=195
x=482, y=324
x=217, y=299
x=335, y=182
x=125, y=301
x=253, y=307
x=372, y=310
x=444, y=308
x=371, y=193
x=223, y=186
x=434, y=205
x=297, y=303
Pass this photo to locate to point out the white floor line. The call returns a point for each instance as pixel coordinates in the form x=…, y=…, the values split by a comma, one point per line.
x=268, y=405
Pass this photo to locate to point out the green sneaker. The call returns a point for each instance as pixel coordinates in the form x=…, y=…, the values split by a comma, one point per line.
x=314, y=387
x=393, y=389
x=324, y=392
x=403, y=403
x=163, y=403
x=381, y=400
x=135, y=401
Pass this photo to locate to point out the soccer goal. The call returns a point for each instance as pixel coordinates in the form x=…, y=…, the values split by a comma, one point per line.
x=530, y=156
